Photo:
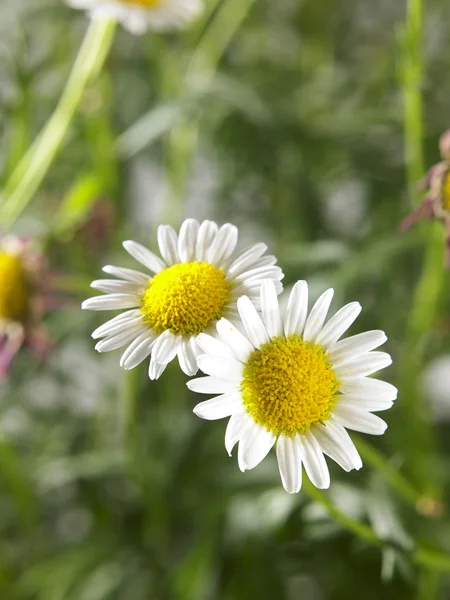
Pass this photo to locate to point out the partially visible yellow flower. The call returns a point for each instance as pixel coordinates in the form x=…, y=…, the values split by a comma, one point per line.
x=140, y=15
x=22, y=282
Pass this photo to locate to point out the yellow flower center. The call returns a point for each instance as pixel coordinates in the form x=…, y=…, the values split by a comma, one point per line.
x=14, y=290
x=186, y=297
x=446, y=191
x=146, y=3
x=289, y=385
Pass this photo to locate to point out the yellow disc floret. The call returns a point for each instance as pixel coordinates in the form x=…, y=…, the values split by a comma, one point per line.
x=14, y=292
x=446, y=191
x=186, y=298
x=289, y=385
x=146, y=3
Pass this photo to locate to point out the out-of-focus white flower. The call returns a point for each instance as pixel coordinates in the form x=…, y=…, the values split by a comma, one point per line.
x=140, y=15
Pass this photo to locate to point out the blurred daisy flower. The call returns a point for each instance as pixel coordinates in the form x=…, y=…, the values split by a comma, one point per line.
x=140, y=15
x=436, y=204
x=197, y=281
x=290, y=380
x=23, y=285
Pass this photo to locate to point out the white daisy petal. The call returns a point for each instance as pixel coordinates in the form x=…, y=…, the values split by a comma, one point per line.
x=211, y=345
x=211, y=385
x=289, y=455
x=218, y=366
x=355, y=345
x=155, y=370
x=339, y=324
x=187, y=357
x=260, y=273
x=111, y=302
x=187, y=240
x=136, y=323
x=117, y=341
x=317, y=316
x=358, y=420
x=166, y=347
x=363, y=365
x=113, y=286
x=252, y=322
x=138, y=350
x=369, y=388
x=168, y=244
x=126, y=274
x=234, y=339
x=270, y=309
x=236, y=428
x=144, y=256
x=108, y=327
x=370, y=404
x=220, y=407
x=297, y=309
x=336, y=443
x=314, y=462
x=206, y=234
x=223, y=245
x=254, y=446
x=246, y=259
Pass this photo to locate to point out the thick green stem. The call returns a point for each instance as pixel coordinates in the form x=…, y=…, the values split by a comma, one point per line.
x=28, y=175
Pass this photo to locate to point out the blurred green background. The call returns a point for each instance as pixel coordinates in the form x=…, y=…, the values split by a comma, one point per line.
x=288, y=119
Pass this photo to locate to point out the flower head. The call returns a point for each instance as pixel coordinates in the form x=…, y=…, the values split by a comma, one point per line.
x=290, y=380
x=22, y=293
x=196, y=282
x=436, y=204
x=140, y=15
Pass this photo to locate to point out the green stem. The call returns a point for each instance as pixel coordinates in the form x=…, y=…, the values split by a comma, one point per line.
x=31, y=170
x=389, y=474
x=434, y=560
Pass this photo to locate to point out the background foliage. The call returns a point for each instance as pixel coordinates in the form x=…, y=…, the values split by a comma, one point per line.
x=288, y=119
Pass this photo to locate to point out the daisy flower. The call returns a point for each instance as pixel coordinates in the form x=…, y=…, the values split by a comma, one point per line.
x=23, y=283
x=290, y=380
x=140, y=15
x=196, y=282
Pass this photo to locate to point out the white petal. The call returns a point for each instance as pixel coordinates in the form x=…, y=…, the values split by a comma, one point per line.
x=211, y=385
x=270, y=309
x=314, y=462
x=370, y=388
x=218, y=366
x=113, y=286
x=155, y=370
x=223, y=245
x=220, y=406
x=336, y=443
x=359, y=420
x=136, y=324
x=168, y=244
x=297, y=309
x=339, y=324
x=254, y=327
x=211, y=345
x=144, y=256
x=111, y=302
x=370, y=404
x=260, y=273
x=289, y=455
x=187, y=357
x=238, y=343
x=113, y=325
x=187, y=240
x=138, y=350
x=363, y=365
x=246, y=259
x=117, y=341
x=127, y=274
x=317, y=316
x=355, y=345
x=206, y=234
x=254, y=446
x=166, y=347
x=237, y=426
